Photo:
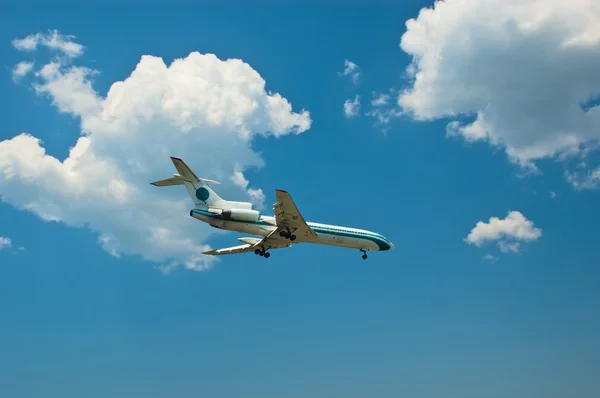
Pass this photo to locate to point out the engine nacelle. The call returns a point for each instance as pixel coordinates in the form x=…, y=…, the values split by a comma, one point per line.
x=241, y=214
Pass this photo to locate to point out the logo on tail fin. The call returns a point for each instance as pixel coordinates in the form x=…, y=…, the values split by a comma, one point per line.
x=202, y=194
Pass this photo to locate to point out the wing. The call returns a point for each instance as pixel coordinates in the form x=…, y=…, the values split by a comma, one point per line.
x=272, y=241
x=287, y=215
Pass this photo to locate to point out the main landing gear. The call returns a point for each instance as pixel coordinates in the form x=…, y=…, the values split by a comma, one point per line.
x=364, y=256
x=286, y=233
x=262, y=253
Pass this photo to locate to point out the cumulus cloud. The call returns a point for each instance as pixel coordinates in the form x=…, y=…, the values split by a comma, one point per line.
x=257, y=197
x=21, y=69
x=352, y=107
x=508, y=232
x=512, y=73
x=52, y=40
x=352, y=70
x=199, y=108
x=5, y=242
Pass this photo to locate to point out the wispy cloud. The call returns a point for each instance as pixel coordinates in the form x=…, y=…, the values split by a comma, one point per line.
x=5, y=242
x=492, y=259
x=53, y=40
x=509, y=247
x=581, y=180
x=383, y=108
x=352, y=70
x=381, y=99
x=352, y=107
x=21, y=69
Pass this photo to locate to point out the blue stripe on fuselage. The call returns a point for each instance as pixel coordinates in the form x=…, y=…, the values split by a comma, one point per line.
x=337, y=231
x=378, y=240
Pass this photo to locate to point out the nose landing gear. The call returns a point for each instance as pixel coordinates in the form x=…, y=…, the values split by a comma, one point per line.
x=364, y=256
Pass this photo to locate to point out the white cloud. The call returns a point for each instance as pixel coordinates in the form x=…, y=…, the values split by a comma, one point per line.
x=508, y=232
x=589, y=179
x=491, y=258
x=28, y=43
x=382, y=115
x=200, y=108
x=352, y=107
x=21, y=69
x=509, y=247
x=257, y=197
x=52, y=40
x=238, y=179
x=352, y=70
x=5, y=242
x=382, y=108
x=380, y=99
x=70, y=89
x=519, y=69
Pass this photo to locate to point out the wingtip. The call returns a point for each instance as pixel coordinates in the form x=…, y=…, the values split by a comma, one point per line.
x=175, y=158
x=281, y=190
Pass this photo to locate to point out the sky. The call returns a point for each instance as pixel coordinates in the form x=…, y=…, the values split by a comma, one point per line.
x=464, y=132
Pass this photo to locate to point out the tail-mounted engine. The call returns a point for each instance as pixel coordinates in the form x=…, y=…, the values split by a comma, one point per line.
x=241, y=214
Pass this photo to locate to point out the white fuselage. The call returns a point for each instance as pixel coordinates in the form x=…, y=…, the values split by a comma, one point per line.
x=326, y=234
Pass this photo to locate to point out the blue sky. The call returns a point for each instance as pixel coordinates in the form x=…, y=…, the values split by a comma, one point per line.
x=85, y=309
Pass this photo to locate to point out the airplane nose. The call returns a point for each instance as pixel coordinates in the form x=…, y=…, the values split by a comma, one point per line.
x=390, y=244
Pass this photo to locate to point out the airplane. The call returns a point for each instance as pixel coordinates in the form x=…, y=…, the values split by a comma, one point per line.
x=285, y=228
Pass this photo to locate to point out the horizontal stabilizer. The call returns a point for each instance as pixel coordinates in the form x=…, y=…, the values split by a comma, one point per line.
x=168, y=182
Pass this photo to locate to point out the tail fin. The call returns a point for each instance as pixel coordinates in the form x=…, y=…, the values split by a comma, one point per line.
x=198, y=188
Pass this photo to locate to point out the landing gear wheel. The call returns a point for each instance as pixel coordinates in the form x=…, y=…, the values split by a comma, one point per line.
x=292, y=237
x=267, y=255
x=257, y=251
x=283, y=234
x=261, y=253
x=364, y=256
